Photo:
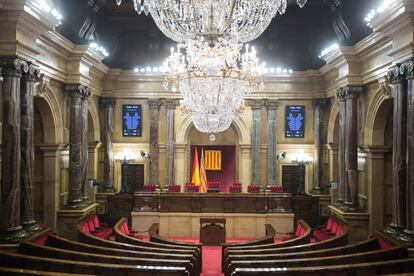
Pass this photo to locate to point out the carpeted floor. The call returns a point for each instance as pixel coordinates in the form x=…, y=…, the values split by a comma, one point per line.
x=211, y=255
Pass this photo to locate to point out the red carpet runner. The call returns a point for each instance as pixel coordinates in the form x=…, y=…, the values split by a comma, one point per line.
x=211, y=256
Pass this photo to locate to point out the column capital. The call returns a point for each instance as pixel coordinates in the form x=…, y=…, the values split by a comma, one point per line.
x=171, y=103
x=154, y=103
x=108, y=101
x=32, y=74
x=407, y=68
x=255, y=104
x=394, y=74
x=349, y=91
x=19, y=66
x=77, y=90
x=271, y=104
x=320, y=102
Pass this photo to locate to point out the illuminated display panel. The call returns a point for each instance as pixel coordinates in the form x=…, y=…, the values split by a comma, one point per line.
x=131, y=120
x=295, y=121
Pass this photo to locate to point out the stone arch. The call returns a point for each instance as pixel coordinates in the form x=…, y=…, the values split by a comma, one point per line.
x=378, y=111
x=333, y=124
x=238, y=123
x=379, y=162
x=51, y=114
x=47, y=168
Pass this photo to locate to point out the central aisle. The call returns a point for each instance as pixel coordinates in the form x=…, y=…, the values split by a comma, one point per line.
x=211, y=255
x=211, y=261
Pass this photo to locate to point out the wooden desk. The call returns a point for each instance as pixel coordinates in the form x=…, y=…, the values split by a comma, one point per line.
x=212, y=231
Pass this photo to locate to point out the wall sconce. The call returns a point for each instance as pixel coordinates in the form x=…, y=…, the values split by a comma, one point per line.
x=302, y=160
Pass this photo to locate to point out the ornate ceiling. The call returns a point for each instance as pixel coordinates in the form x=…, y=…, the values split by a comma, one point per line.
x=293, y=40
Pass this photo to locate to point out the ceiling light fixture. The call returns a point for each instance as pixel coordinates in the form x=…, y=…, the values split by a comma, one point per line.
x=213, y=81
x=240, y=20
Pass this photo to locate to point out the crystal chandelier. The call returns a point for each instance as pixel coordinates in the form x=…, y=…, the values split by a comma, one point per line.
x=239, y=20
x=213, y=80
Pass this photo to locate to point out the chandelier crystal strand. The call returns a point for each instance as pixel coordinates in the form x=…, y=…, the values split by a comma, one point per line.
x=213, y=80
x=241, y=20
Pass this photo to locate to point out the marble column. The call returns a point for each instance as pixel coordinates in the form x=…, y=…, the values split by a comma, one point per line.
x=340, y=94
x=318, y=111
x=75, y=146
x=154, y=105
x=256, y=110
x=351, y=148
x=10, y=228
x=108, y=134
x=27, y=149
x=85, y=145
x=272, y=142
x=398, y=153
x=170, y=106
x=408, y=234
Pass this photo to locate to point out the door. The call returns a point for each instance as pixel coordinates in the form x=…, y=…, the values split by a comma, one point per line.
x=135, y=177
x=291, y=177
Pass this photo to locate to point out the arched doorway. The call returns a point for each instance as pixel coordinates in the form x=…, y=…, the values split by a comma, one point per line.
x=225, y=148
x=238, y=131
x=48, y=187
x=333, y=143
x=379, y=139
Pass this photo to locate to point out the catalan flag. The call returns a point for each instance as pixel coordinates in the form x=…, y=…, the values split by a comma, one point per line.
x=195, y=176
x=203, y=175
x=213, y=160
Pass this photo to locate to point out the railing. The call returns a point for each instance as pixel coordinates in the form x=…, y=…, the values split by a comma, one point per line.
x=213, y=202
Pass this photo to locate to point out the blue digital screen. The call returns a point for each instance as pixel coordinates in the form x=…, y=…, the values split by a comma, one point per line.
x=132, y=120
x=295, y=121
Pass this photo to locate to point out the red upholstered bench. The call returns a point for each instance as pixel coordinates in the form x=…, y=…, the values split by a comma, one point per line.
x=333, y=228
x=124, y=229
x=89, y=227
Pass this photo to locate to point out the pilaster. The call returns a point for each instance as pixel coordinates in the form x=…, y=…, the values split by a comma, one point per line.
x=154, y=105
x=256, y=111
x=272, y=142
x=318, y=130
x=108, y=134
x=170, y=105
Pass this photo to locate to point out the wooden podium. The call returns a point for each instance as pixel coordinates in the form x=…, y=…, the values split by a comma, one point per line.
x=212, y=231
